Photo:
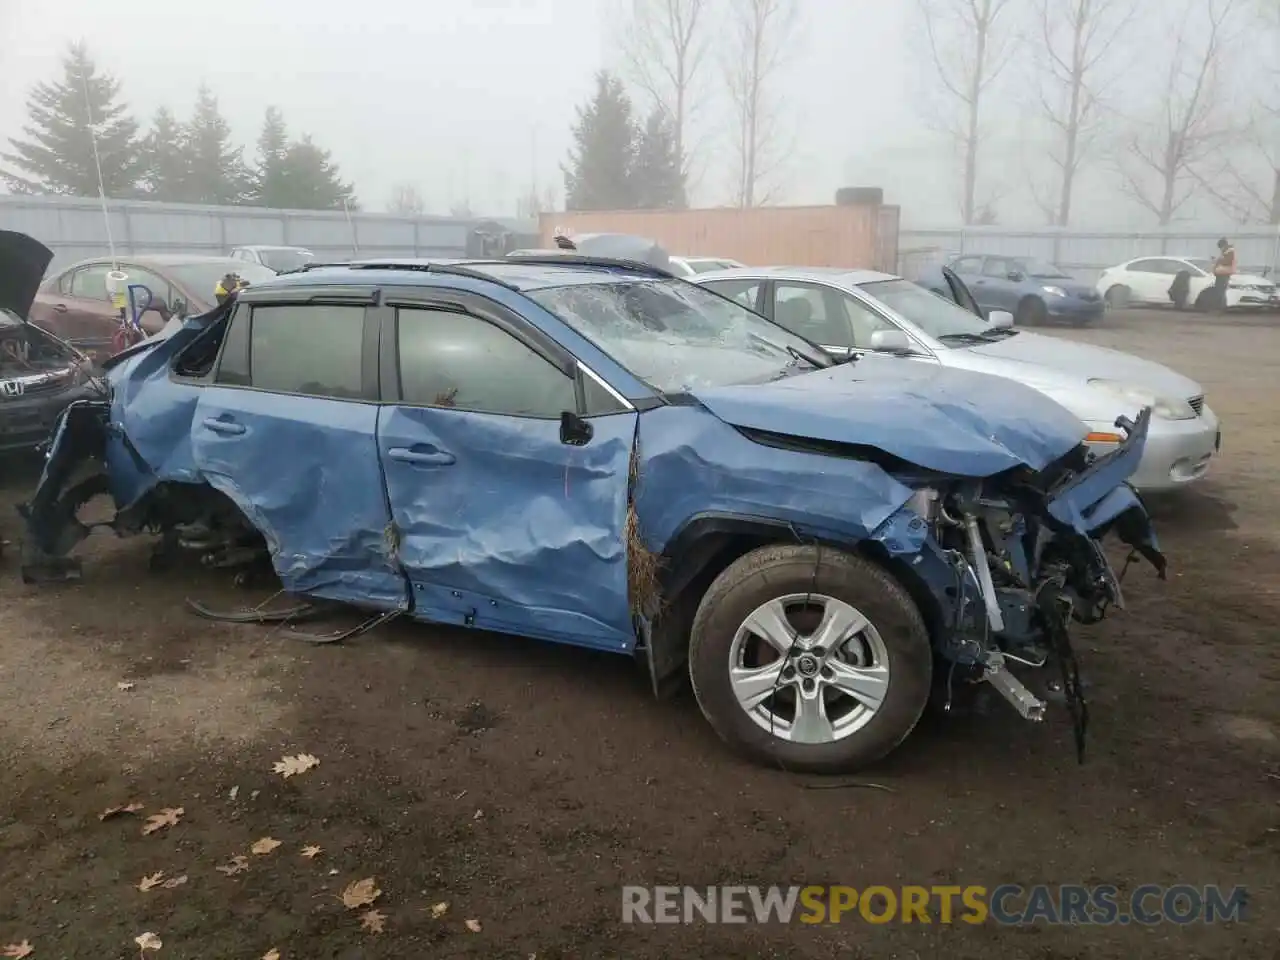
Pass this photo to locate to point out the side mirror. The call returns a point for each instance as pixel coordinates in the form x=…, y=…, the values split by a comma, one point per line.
x=1000, y=319
x=890, y=341
x=575, y=431
x=1017, y=276
x=178, y=308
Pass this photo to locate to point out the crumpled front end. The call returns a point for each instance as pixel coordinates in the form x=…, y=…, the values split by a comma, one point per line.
x=1020, y=556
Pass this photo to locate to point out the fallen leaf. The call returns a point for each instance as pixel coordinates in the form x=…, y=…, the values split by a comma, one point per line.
x=361, y=893
x=233, y=792
x=472, y=925
x=479, y=815
x=167, y=817
x=438, y=910
x=272, y=954
x=148, y=941
x=264, y=846
x=291, y=766
x=18, y=950
x=238, y=864
x=146, y=883
x=125, y=685
x=174, y=882
x=373, y=921
x=310, y=852
x=110, y=812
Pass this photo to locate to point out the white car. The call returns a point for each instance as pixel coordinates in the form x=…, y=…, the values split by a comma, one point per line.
x=279, y=259
x=1147, y=281
x=852, y=312
x=692, y=266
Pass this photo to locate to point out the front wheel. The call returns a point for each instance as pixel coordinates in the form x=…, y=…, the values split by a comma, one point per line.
x=810, y=658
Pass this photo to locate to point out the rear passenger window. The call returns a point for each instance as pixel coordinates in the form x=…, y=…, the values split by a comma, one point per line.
x=457, y=360
x=311, y=349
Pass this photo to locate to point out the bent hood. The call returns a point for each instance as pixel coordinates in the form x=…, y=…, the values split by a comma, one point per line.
x=952, y=421
x=23, y=261
x=1024, y=356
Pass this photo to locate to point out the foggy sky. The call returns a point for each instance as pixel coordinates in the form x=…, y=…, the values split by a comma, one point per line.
x=473, y=99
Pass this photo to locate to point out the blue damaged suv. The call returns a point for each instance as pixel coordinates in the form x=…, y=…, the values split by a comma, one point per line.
x=595, y=452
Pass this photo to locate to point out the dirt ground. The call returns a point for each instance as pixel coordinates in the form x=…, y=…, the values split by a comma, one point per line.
x=522, y=783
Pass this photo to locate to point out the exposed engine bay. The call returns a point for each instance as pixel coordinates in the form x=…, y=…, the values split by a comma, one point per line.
x=1025, y=571
x=28, y=351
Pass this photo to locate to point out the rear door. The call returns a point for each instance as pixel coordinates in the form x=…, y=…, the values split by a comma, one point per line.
x=78, y=309
x=505, y=519
x=288, y=431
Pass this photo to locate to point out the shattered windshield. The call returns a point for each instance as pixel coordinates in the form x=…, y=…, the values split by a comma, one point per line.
x=678, y=337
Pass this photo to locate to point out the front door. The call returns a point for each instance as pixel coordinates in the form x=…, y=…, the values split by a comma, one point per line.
x=506, y=520
x=961, y=294
x=288, y=431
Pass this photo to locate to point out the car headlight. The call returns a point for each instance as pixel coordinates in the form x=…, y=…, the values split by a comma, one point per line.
x=1054, y=291
x=1170, y=408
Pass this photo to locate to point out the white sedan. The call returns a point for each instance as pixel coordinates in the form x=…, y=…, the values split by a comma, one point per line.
x=1147, y=281
x=852, y=312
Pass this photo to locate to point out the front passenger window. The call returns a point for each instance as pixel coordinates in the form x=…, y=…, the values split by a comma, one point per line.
x=450, y=359
x=309, y=349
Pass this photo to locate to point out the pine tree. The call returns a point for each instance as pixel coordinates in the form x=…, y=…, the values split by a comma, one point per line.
x=657, y=172
x=310, y=181
x=168, y=162
x=267, y=188
x=598, y=176
x=216, y=172
x=58, y=154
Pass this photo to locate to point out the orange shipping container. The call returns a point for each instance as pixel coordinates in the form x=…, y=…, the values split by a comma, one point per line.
x=854, y=236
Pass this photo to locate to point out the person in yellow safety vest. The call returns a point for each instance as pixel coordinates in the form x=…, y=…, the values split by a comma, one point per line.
x=1224, y=269
x=230, y=284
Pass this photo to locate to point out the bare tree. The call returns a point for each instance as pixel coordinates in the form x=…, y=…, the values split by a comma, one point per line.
x=664, y=46
x=969, y=41
x=1250, y=192
x=1167, y=159
x=406, y=201
x=758, y=35
x=1078, y=41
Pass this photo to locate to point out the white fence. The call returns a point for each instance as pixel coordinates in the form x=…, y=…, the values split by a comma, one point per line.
x=1086, y=252
x=74, y=229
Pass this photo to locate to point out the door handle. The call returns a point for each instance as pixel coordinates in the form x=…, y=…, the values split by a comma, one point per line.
x=422, y=458
x=59, y=308
x=225, y=427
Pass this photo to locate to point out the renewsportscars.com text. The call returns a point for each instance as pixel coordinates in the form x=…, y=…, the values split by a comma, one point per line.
x=1007, y=904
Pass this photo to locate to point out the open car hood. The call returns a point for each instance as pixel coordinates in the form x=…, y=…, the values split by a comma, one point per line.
x=952, y=421
x=23, y=261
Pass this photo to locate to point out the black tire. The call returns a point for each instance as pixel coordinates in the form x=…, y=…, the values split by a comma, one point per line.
x=1118, y=296
x=776, y=571
x=1031, y=312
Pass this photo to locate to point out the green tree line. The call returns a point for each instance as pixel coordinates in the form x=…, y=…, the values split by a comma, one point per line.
x=192, y=161
x=620, y=161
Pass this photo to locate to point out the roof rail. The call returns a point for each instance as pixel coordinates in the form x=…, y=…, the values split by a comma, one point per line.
x=458, y=270
x=583, y=260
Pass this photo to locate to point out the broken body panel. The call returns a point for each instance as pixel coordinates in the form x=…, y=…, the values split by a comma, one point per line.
x=975, y=491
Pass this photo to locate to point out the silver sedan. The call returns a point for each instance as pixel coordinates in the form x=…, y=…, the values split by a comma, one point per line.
x=850, y=312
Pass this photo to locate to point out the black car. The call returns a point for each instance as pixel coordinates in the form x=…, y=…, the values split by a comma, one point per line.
x=39, y=374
